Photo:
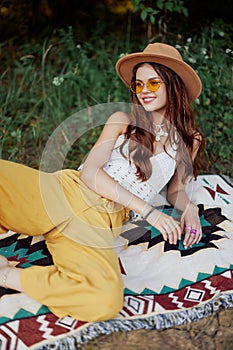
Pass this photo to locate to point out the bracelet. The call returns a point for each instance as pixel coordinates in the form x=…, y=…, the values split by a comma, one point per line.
x=149, y=212
x=3, y=279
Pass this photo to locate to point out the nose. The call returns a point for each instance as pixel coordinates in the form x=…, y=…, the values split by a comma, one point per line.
x=145, y=88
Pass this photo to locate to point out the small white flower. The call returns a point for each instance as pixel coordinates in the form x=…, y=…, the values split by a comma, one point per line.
x=57, y=81
x=78, y=46
x=123, y=54
x=178, y=46
x=204, y=51
x=192, y=60
x=206, y=57
x=228, y=50
x=189, y=40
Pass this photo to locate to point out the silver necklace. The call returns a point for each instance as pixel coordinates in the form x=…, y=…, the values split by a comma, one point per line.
x=159, y=132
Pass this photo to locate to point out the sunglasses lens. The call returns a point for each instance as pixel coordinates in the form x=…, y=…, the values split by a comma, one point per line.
x=136, y=87
x=153, y=85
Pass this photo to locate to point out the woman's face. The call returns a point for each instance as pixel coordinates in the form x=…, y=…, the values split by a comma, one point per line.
x=151, y=101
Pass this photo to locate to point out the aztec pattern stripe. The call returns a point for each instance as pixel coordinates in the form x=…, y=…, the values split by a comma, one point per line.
x=165, y=285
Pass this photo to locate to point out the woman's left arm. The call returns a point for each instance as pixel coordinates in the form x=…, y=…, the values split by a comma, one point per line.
x=177, y=196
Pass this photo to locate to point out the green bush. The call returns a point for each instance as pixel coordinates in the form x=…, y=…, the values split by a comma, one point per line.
x=211, y=56
x=42, y=85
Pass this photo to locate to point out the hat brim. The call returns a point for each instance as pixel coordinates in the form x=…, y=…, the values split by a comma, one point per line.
x=192, y=82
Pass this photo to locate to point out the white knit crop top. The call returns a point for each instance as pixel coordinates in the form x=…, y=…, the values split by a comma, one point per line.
x=163, y=168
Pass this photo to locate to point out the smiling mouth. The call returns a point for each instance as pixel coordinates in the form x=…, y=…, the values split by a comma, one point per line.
x=148, y=99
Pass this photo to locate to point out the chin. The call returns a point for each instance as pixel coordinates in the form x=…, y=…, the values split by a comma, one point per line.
x=154, y=108
x=149, y=108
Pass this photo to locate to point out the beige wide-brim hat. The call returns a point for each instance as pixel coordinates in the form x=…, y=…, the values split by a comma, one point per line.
x=166, y=55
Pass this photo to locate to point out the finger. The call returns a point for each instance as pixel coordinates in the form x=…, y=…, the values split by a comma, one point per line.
x=171, y=237
x=174, y=234
x=186, y=235
x=200, y=235
x=174, y=225
x=164, y=233
x=167, y=235
x=170, y=230
x=177, y=231
x=188, y=239
x=190, y=233
x=182, y=223
x=192, y=237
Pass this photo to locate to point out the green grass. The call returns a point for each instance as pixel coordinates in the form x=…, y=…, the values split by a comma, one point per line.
x=43, y=84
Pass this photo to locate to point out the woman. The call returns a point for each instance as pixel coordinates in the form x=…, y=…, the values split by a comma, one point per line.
x=80, y=213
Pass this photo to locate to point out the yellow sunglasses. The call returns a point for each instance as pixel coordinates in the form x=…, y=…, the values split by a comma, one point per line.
x=152, y=85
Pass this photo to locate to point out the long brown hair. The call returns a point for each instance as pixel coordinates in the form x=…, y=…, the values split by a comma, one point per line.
x=181, y=135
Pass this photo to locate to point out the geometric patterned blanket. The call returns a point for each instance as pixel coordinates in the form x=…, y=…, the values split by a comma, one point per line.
x=165, y=285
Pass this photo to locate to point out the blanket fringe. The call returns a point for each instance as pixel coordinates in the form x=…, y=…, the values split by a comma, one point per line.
x=153, y=322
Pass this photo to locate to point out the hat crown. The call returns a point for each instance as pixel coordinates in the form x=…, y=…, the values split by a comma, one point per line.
x=163, y=50
x=167, y=56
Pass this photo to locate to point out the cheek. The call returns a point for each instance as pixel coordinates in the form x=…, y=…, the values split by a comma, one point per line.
x=164, y=99
x=138, y=99
x=163, y=96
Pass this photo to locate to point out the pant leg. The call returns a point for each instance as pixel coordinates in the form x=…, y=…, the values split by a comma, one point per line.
x=34, y=203
x=84, y=283
x=21, y=206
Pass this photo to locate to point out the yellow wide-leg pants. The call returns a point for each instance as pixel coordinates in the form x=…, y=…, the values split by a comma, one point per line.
x=79, y=227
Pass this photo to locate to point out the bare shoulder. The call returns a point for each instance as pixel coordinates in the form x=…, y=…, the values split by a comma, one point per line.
x=119, y=120
x=115, y=126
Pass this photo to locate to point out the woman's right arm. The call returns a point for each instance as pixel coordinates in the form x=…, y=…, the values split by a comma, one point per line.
x=93, y=175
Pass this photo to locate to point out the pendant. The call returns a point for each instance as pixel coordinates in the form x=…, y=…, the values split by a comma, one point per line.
x=159, y=132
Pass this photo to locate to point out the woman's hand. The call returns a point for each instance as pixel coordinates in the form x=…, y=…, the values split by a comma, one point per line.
x=169, y=228
x=190, y=225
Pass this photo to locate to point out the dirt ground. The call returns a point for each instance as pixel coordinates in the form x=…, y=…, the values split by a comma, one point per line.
x=210, y=333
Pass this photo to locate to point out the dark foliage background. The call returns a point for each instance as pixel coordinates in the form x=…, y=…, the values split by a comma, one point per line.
x=58, y=57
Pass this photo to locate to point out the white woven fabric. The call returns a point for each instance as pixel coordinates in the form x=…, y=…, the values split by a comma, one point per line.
x=122, y=171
